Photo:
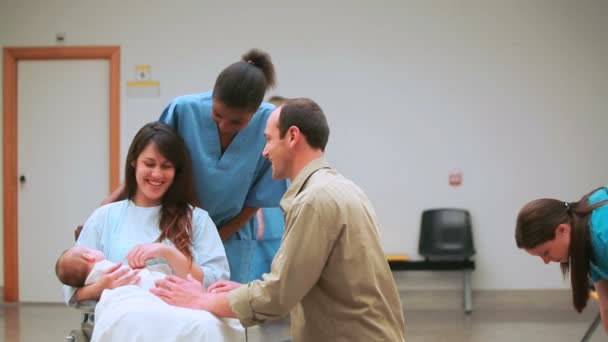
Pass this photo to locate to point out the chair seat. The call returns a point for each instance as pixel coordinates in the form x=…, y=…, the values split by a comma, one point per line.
x=397, y=257
x=593, y=295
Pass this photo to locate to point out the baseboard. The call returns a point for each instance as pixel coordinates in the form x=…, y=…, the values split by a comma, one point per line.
x=555, y=299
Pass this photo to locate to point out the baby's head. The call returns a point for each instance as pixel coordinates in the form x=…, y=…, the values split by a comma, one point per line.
x=75, y=264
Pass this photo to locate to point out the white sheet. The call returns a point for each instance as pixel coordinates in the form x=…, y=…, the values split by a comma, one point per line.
x=132, y=314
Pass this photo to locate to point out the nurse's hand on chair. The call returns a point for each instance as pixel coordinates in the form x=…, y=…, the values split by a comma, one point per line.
x=180, y=292
x=223, y=286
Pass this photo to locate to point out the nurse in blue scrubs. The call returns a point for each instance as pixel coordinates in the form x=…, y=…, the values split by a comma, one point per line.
x=224, y=131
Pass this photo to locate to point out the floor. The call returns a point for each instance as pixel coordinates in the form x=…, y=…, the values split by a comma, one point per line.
x=431, y=316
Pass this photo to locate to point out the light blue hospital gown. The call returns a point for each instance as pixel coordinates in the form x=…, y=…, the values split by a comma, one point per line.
x=116, y=227
x=598, y=225
x=225, y=182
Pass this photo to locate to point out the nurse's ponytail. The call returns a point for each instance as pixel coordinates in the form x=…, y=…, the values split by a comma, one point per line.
x=580, y=248
x=242, y=85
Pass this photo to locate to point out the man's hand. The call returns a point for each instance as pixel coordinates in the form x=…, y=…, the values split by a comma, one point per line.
x=180, y=292
x=223, y=286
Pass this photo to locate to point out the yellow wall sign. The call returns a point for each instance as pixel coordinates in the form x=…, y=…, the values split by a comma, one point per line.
x=143, y=86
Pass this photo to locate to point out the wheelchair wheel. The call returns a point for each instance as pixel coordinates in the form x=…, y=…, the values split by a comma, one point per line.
x=77, y=335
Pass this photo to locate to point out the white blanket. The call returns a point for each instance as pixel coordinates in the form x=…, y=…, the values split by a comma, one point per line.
x=132, y=314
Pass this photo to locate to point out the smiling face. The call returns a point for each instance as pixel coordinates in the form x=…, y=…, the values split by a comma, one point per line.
x=154, y=175
x=229, y=120
x=277, y=149
x=557, y=249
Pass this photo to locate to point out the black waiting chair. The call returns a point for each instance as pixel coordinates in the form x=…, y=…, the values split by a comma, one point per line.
x=446, y=234
x=446, y=242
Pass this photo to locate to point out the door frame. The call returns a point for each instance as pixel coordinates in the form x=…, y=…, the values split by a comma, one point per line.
x=11, y=55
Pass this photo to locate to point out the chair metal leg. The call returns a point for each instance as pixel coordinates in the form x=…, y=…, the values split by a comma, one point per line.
x=592, y=328
x=468, y=292
x=77, y=335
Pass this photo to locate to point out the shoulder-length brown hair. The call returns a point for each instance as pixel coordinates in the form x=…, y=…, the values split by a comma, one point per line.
x=175, y=220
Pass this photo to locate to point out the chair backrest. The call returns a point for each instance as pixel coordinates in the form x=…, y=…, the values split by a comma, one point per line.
x=77, y=232
x=446, y=234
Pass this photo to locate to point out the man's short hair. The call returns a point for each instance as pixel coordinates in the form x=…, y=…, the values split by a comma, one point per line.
x=277, y=100
x=308, y=116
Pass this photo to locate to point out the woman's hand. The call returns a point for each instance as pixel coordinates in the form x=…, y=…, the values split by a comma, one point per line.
x=140, y=253
x=178, y=262
x=223, y=286
x=117, y=276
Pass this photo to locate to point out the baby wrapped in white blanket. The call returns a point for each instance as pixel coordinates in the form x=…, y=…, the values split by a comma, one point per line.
x=132, y=313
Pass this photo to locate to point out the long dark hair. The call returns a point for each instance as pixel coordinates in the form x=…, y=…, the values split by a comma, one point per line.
x=537, y=222
x=242, y=85
x=176, y=211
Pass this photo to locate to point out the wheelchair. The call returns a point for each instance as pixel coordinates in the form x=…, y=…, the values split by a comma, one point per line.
x=85, y=332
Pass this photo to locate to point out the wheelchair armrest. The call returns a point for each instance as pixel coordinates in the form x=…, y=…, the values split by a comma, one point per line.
x=86, y=305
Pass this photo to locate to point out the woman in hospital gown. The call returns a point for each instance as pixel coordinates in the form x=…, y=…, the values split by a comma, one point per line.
x=157, y=220
x=224, y=130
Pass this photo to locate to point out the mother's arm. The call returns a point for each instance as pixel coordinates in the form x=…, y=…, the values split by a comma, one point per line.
x=91, y=236
x=209, y=262
x=114, y=277
x=178, y=262
x=208, y=248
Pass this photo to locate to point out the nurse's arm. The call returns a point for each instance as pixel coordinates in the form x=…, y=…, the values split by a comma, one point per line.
x=118, y=194
x=601, y=287
x=237, y=222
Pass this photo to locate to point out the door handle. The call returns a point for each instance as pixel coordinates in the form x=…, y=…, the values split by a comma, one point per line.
x=22, y=179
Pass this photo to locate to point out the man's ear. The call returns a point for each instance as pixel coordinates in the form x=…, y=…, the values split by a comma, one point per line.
x=293, y=134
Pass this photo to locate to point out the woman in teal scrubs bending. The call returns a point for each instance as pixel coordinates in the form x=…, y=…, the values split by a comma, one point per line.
x=575, y=234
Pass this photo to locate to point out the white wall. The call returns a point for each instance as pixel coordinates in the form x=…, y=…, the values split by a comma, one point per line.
x=512, y=93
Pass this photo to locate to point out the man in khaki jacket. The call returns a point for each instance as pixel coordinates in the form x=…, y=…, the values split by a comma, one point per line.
x=330, y=272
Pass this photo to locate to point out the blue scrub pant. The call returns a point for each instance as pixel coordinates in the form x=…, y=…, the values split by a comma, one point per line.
x=249, y=257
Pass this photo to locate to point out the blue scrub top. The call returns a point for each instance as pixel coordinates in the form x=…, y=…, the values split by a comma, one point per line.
x=225, y=182
x=241, y=175
x=598, y=227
